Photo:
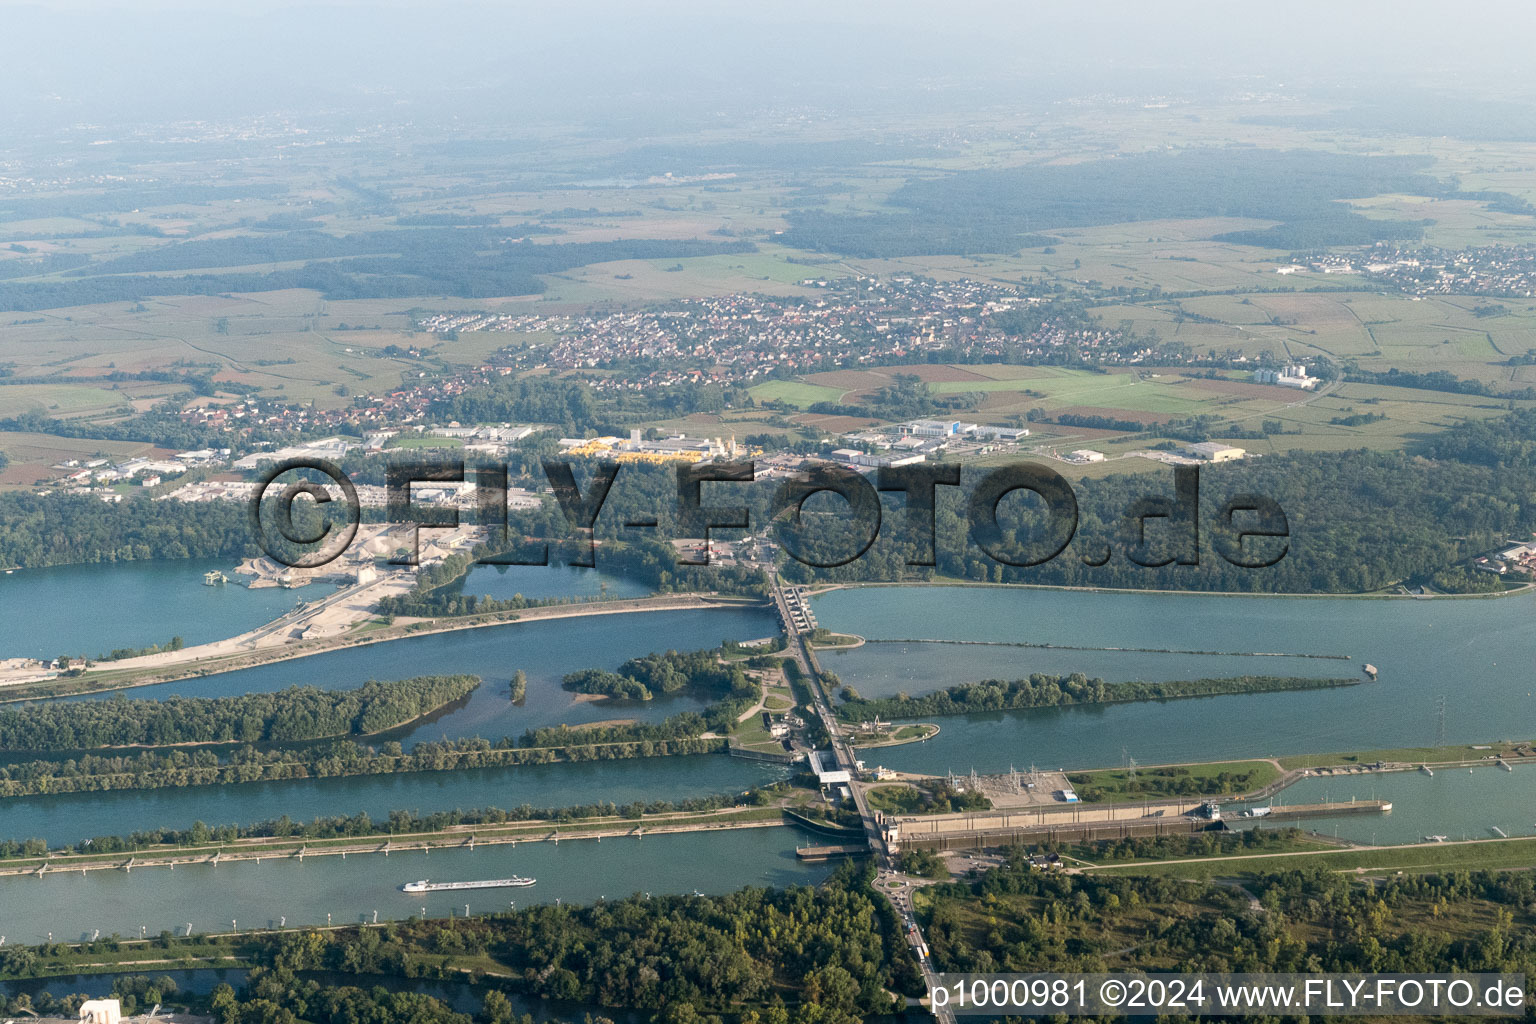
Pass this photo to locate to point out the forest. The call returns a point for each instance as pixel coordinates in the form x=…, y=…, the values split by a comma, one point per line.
x=60, y=529
x=828, y=954
x=1045, y=691
x=700, y=672
x=1001, y=210
x=823, y=955
x=296, y=714
x=1017, y=918
x=1359, y=521
x=465, y=262
x=800, y=955
x=156, y=769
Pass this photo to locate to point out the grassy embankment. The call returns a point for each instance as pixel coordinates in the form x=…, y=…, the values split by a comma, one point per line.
x=1469, y=855
x=1217, y=778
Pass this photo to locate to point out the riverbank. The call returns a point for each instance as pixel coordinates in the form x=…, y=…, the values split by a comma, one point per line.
x=461, y=836
x=920, y=732
x=1274, y=775
x=947, y=581
x=1454, y=855
x=192, y=662
x=996, y=695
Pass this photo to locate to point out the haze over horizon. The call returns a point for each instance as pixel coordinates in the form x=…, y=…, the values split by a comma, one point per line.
x=638, y=67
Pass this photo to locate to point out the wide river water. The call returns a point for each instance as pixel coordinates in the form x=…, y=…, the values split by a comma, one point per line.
x=1477, y=653
x=262, y=895
x=92, y=609
x=544, y=649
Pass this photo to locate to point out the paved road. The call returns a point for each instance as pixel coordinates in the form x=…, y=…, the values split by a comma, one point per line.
x=890, y=883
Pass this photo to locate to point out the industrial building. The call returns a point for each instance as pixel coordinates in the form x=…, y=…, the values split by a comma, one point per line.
x=824, y=764
x=101, y=1011
x=1002, y=433
x=1214, y=451
x=1290, y=377
x=933, y=428
x=885, y=461
x=332, y=448
x=636, y=448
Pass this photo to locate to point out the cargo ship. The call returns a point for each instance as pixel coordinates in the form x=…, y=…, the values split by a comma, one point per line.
x=426, y=885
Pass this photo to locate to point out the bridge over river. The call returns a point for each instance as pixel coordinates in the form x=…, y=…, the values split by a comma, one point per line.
x=796, y=618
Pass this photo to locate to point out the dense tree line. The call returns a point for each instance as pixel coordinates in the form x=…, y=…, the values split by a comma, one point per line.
x=834, y=949
x=1045, y=691
x=1001, y=210
x=296, y=714
x=467, y=262
x=161, y=425
x=1358, y=521
x=1073, y=419
x=175, y=643
x=1435, y=380
x=1223, y=843
x=1308, y=920
x=830, y=954
x=670, y=672
x=157, y=769
x=55, y=529
x=398, y=823
x=1156, y=783
x=1507, y=444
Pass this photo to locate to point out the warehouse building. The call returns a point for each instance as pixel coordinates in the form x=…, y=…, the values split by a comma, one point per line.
x=1215, y=451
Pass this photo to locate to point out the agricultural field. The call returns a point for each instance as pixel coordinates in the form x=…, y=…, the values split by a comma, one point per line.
x=32, y=455
x=424, y=442
x=1215, y=295
x=796, y=393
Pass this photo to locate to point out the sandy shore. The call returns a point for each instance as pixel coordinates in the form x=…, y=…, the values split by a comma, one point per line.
x=275, y=641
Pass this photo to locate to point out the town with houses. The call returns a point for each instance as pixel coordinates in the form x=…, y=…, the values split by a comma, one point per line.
x=734, y=340
x=746, y=338
x=1496, y=271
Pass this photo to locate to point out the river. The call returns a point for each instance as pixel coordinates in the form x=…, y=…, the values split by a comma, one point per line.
x=544, y=649
x=92, y=609
x=1477, y=653
x=261, y=895
x=72, y=817
x=1458, y=803
x=539, y=582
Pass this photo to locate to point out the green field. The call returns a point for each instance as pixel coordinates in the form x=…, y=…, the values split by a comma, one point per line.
x=1162, y=393
x=289, y=343
x=1475, y=855
x=796, y=393
x=61, y=400
x=1154, y=783
x=424, y=442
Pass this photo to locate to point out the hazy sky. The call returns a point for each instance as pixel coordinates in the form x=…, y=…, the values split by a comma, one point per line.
x=112, y=60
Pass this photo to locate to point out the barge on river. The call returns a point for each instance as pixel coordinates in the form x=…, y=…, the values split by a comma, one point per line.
x=426, y=885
